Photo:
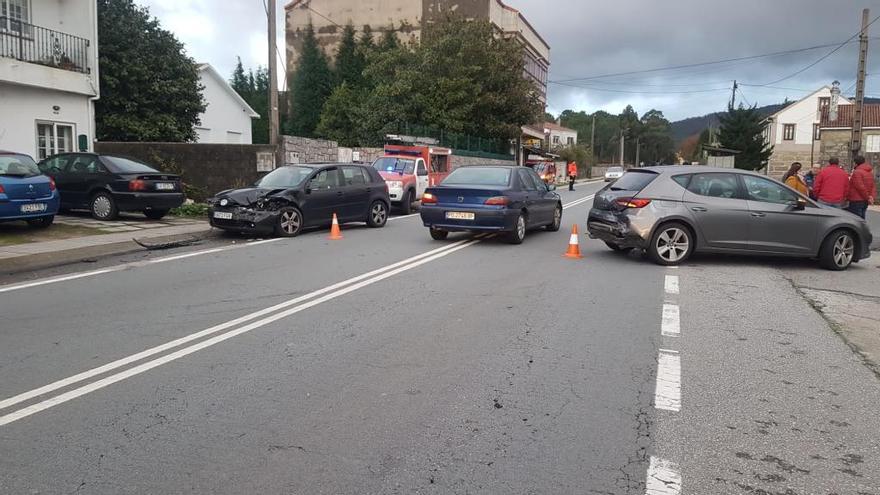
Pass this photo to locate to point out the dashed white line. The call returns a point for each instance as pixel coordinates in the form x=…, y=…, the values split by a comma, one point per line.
x=672, y=285
x=671, y=324
x=663, y=478
x=667, y=394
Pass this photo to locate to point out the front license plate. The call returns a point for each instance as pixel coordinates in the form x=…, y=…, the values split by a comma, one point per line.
x=223, y=215
x=33, y=208
x=459, y=215
x=164, y=186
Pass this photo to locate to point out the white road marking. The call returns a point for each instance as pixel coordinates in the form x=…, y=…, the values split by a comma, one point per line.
x=188, y=255
x=404, y=216
x=45, y=281
x=667, y=394
x=663, y=478
x=672, y=285
x=671, y=324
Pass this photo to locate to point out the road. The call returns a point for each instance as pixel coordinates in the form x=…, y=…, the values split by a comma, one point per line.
x=391, y=363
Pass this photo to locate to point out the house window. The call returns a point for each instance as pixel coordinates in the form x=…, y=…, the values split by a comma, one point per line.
x=14, y=12
x=824, y=104
x=817, y=134
x=872, y=143
x=788, y=132
x=53, y=138
x=570, y=141
x=555, y=139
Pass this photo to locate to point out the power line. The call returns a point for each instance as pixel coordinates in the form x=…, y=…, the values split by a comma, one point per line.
x=610, y=90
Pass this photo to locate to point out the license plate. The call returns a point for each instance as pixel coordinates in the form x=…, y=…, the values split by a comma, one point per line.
x=33, y=208
x=459, y=215
x=164, y=186
x=223, y=215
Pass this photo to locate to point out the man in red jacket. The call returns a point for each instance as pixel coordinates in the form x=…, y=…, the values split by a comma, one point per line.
x=831, y=185
x=862, y=188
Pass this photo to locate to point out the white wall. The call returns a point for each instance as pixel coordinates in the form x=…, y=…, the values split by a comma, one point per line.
x=23, y=106
x=563, y=137
x=224, y=114
x=803, y=114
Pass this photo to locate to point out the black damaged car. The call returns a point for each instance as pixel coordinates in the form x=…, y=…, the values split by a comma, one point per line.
x=292, y=198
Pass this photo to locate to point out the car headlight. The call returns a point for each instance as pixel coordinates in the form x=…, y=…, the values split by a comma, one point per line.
x=395, y=184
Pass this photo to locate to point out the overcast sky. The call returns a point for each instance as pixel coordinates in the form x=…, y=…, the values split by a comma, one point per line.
x=590, y=38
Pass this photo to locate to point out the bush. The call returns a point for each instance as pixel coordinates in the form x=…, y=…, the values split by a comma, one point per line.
x=191, y=210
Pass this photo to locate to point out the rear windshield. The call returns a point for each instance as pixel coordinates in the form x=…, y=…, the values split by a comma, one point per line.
x=634, y=181
x=18, y=166
x=615, y=169
x=479, y=176
x=126, y=166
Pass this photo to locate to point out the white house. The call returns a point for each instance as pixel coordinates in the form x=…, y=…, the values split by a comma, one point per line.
x=227, y=120
x=560, y=136
x=48, y=75
x=794, y=131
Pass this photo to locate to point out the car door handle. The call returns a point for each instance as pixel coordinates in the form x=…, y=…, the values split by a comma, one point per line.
x=339, y=193
x=699, y=208
x=758, y=214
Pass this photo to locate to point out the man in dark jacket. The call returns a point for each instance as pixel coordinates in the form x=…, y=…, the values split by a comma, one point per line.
x=862, y=188
x=831, y=185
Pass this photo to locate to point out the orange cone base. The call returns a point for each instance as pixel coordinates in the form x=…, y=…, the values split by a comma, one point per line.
x=335, y=231
x=574, y=248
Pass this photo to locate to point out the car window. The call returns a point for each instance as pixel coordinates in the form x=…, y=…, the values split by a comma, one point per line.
x=439, y=164
x=682, y=180
x=127, y=166
x=541, y=185
x=479, y=176
x=527, y=182
x=422, y=169
x=355, y=176
x=18, y=166
x=767, y=191
x=634, y=181
x=85, y=164
x=285, y=177
x=714, y=185
x=54, y=165
x=392, y=164
x=326, y=179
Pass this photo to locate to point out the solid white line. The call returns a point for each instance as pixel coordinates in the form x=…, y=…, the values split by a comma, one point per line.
x=37, y=283
x=188, y=255
x=73, y=394
x=663, y=478
x=404, y=216
x=672, y=285
x=667, y=394
x=209, y=331
x=671, y=324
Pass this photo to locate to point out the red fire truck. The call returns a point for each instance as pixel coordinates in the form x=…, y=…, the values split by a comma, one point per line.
x=411, y=167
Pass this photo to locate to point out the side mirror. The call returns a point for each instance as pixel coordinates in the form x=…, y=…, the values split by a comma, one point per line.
x=798, y=205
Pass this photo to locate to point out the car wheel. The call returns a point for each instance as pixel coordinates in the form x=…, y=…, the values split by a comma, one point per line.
x=618, y=248
x=519, y=230
x=838, y=251
x=406, y=204
x=155, y=214
x=439, y=235
x=289, y=222
x=42, y=222
x=557, y=220
x=671, y=245
x=378, y=216
x=103, y=206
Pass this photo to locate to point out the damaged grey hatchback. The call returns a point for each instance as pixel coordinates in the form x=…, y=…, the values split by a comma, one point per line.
x=292, y=198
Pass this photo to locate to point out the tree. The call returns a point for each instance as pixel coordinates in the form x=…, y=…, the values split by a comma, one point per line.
x=607, y=131
x=389, y=40
x=742, y=130
x=311, y=86
x=578, y=154
x=349, y=63
x=254, y=89
x=367, y=44
x=240, y=81
x=150, y=89
x=655, y=137
x=630, y=129
x=339, y=121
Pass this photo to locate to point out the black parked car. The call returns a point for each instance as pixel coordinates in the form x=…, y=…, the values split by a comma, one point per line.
x=294, y=197
x=106, y=185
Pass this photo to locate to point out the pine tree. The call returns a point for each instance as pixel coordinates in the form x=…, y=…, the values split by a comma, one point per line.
x=742, y=130
x=311, y=86
x=367, y=44
x=349, y=63
x=339, y=120
x=239, y=81
x=389, y=40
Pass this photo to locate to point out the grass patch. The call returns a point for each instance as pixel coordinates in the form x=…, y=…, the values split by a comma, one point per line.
x=191, y=210
x=13, y=233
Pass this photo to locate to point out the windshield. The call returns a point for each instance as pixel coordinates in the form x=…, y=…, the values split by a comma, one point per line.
x=615, y=169
x=391, y=164
x=285, y=177
x=479, y=176
x=127, y=166
x=18, y=166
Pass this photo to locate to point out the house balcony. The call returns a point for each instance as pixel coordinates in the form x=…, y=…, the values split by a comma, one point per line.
x=38, y=45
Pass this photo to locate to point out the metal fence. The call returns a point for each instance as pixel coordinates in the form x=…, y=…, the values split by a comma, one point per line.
x=39, y=45
x=463, y=144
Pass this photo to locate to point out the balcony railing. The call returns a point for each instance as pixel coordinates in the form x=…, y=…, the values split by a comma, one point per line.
x=38, y=45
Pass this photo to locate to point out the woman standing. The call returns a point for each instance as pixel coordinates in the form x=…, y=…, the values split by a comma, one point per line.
x=793, y=179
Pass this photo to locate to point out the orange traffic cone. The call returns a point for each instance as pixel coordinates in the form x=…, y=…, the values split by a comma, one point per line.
x=574, y=247
x=335, y=232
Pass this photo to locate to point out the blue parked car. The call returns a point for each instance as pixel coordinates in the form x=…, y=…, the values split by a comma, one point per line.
x=25, y=193
x=483, y=198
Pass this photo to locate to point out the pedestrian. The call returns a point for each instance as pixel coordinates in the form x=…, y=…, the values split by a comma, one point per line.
x=862, y=187
x=572, y=174
x=793, y=179
x=831, y=185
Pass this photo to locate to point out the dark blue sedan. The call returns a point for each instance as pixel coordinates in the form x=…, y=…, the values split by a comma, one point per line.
x=25, y=193
x=482, y=198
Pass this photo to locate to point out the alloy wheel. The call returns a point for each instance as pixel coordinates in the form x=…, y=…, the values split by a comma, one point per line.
x=379, y=214
x=673, y=245
x=290, y=222
x=521, y=227
x=844, y=249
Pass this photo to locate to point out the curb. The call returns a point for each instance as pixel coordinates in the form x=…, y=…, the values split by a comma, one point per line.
x=89, y=254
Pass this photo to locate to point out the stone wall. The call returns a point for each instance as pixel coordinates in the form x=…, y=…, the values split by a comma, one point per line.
x=305, y=150
x=205, y=168
x=837, y=143
x=781, y=160
x=464, y=161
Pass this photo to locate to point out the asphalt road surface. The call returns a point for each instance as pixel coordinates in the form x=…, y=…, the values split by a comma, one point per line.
x=391, y=363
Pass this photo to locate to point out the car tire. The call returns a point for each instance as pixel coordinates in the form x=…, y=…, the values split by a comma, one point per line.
x=439, y=235
x=289, y=222
x=671, y=245
x=618, y=248
x=406, y=204
x=377, y=217
x=838, y=251
x=103, y=206
x=557, y=220
x=42, y=222
x=155, y=214
x=518, y=235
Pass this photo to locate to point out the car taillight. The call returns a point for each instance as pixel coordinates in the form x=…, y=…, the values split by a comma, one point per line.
x=498, y=201
x=429, y=199
x=137, y=185
x=52, y=186
x=2, y=191
x=633, y=202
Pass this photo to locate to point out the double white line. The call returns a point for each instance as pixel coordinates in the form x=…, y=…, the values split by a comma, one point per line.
x=218, y=334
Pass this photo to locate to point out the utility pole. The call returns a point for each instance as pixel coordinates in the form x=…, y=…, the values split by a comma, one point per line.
x=273, y=82
x=593, y=142
x=733, y=94
x=622, y=146
x=638, y=150
x=860, y=85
